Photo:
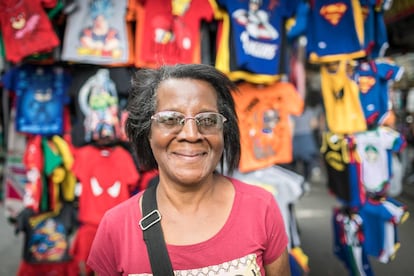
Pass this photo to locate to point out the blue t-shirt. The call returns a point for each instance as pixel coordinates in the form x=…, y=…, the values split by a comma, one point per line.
x=40, y=97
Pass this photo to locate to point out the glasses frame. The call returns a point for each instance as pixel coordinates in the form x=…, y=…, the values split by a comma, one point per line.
x=180, y=123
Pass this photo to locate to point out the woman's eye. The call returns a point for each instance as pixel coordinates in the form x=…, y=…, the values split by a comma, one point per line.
x=170, y=120
x=208, y=121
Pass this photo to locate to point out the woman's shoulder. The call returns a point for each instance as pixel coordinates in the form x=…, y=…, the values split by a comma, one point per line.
x=250, y=189
x=131, y=205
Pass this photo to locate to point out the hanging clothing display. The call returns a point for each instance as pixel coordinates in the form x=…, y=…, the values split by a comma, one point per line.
x=340, y=94
x=250, y=39
x=342, y=167
x=97, y=33
x=335, y=31
x=96, y=93
x=26, y=28
x=168, y=32
x=40, y=97
x=373, y=78
x=266, y=131
x=374, y=148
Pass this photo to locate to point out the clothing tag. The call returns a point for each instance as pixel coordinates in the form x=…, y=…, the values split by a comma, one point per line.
x=39, y=71
x=105, y=153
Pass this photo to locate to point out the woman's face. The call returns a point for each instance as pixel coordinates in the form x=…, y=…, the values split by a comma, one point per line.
x=186, y=156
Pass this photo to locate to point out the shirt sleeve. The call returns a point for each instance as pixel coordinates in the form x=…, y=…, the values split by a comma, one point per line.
x=102, y=254
x=277, y=236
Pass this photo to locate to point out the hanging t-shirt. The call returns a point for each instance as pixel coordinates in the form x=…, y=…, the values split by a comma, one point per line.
x=373, y=80
x=168, y=32
x=374, y=147
x=343, y=169
x=40, y=97
x=380, y=227
x=253, y=39
x=96, y=92
x=96, y=33
x=375, y=31
x=26, y=28
x=335, y=30
x=343, y=111
x=287, y=188
x=47, y=236
x=347, y=238
x=105, y=175
x=265, y=129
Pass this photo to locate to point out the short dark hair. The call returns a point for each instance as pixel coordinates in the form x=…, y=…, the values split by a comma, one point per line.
x=142, y=105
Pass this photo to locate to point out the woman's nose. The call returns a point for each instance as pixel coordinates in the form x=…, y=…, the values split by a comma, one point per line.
x=190, y=129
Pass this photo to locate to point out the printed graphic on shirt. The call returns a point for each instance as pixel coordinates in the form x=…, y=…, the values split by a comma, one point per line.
x=175, y=32
x=245, y=266
x=250, y=38
x=48, y=241
x=256, y=22
x=333, y=13
x=264, y=140
x=97, y=33
x=98, y=100
x=100, y=38
x=40, y=97
x=40, y=103
x=169, y=31
x=24, y=24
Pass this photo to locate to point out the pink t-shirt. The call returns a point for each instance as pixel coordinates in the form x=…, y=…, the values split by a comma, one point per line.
x=254, y=235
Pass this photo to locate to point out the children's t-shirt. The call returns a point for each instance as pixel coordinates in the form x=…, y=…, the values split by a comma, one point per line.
x=26, y=28
x=265, y=128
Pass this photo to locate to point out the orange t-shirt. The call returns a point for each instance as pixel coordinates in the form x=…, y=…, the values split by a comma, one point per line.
x=264, y=121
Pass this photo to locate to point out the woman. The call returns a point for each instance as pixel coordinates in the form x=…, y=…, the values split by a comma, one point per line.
x=182, y=122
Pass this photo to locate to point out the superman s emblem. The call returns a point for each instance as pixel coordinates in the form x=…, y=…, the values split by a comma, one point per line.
x=333, y=13
x=365, y=83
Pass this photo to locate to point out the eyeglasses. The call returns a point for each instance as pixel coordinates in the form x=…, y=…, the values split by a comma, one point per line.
x=207, y=122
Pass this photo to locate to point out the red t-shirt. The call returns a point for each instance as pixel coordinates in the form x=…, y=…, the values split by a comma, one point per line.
x=253, y=236
x=26, y=29
x=168, y=34
x=105, y=175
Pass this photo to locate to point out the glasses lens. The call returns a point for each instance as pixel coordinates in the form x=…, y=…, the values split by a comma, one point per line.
x=169, y=119
x=209, y=122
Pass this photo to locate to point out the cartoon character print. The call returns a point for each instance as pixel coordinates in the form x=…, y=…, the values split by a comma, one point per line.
x=98, y=100
x=265, y=144
x=173, y=31
x=24, y=23
x=256, y=21
x=48, y=242
x=264, y=124
x=100, y=39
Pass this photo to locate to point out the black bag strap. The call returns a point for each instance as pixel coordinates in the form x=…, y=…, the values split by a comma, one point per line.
x=153, y=236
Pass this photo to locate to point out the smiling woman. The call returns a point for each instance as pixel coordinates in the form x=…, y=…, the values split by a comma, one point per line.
x=182, y=122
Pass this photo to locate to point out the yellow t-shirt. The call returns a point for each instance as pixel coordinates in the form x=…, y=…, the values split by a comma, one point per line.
x=343, y=111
